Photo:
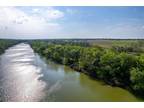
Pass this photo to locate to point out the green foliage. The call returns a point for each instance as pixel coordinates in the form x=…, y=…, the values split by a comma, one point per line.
x=4, y=44
x=118, y=68
x=107, y=63
x=140, y=62
x=137, y=79
x=71, y=55
x=89, y=60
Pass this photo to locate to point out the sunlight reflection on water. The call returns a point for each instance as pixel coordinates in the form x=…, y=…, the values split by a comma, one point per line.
x=20, y=78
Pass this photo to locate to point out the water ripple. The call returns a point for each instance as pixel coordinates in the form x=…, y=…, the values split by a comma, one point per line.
x=19, y=76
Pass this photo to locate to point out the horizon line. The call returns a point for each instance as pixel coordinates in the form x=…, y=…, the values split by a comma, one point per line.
x=72, y=39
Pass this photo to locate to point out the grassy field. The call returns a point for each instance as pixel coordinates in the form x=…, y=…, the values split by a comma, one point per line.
x=108, y=43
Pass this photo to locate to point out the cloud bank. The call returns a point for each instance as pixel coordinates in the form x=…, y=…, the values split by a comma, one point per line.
x=19, y=24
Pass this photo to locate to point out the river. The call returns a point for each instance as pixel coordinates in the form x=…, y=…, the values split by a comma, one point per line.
x=26, y=76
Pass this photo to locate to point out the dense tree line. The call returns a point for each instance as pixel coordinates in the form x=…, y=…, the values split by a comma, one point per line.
x=117, y=68
x=79, y=42
x=4, y=44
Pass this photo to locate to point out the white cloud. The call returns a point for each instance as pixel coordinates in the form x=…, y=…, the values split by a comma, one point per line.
x=35, y=10
x=48, y=13
x=18, y=23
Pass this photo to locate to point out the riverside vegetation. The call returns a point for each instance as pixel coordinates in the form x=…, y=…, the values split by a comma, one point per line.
x=4, y=44
x=121, y=64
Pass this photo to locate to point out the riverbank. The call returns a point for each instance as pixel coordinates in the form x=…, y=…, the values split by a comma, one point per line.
x=95, y=78
x=76, y=86
x=5, y=44
x=120, y=69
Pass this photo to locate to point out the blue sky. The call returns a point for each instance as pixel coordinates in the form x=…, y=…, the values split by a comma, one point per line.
x=71, y=22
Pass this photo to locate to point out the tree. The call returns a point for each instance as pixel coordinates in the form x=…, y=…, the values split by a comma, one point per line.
x=71, y=55
x=137, y=79
x=89, y=60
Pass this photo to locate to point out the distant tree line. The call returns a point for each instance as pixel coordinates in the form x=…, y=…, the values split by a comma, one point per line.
x=79, y=42
x=114, y=66
x=4, y=44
